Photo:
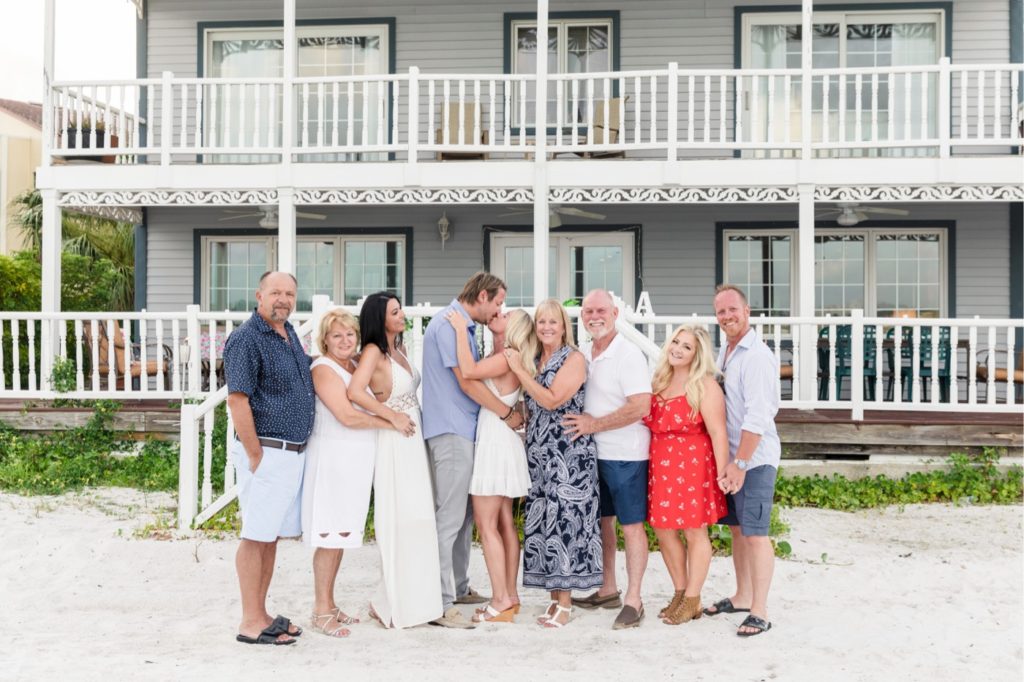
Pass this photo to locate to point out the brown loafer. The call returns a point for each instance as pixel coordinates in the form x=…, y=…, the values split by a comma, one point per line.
x=628, y=618
x=595, y=600
x=471, y=597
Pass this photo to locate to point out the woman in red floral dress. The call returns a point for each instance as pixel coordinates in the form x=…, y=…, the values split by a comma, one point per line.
x=689, y=447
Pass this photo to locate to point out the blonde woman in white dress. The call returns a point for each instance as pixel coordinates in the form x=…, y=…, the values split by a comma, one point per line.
x=500, y=472
x=339, y=468
x=403, y=502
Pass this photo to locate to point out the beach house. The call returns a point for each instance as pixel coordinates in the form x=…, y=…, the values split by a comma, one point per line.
x=855, y=166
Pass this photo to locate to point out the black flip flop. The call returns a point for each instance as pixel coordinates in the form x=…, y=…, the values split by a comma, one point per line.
x=760, y=624
x=723, y=606
x=283, y=624
x=270, y=634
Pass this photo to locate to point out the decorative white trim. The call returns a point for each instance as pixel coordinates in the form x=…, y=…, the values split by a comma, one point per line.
x=413, y=196
x=121, y=214
x=672, y=195
x=82, y=200
x=921, y=193
x=199, y=197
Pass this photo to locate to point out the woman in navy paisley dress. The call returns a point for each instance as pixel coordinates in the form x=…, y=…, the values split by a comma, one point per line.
x=562, y=545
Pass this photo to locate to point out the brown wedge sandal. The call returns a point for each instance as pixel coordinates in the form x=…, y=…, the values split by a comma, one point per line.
x=672, y=605
x=688, y=609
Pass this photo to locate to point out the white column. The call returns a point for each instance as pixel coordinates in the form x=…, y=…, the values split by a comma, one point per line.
x=288, y=99
x=49, y=28
x=50, y=256
x=540, y=168
x=808, y=360
x=286, y=229
x=806, y=64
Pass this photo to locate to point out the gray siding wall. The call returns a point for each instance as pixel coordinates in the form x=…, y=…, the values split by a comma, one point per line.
x=678, y=256
x=451, y=36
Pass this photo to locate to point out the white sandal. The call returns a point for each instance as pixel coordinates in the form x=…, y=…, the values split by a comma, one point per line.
x=324, y=626
x=551, y=621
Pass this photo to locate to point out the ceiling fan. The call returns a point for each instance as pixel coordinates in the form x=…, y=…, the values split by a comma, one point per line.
x=851, y=213
x=556, y=212
x=267, y=216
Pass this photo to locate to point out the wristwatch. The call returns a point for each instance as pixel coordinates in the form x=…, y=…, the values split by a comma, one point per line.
x=741, y=464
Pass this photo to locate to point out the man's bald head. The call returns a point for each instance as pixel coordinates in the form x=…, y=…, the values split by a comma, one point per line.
x=275, y=296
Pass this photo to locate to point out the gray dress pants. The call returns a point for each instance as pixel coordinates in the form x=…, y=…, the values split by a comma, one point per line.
x=451, y=465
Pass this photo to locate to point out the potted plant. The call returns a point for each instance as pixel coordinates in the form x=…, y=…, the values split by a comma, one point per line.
x=88, y=127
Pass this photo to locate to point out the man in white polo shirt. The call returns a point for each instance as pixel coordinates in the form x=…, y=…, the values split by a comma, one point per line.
x=617, y=396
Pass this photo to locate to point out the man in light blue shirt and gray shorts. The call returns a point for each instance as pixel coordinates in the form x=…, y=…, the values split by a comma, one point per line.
x=751, y=384
x=451, y=404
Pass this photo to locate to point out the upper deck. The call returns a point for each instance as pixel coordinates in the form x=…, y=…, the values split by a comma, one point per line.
x=418, y=93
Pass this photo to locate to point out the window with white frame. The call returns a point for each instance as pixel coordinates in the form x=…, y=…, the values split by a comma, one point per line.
x=577, y=263
x=344, y=267
x=854, y=39
x=574, y=46
x=885, y=272
x=237, y=117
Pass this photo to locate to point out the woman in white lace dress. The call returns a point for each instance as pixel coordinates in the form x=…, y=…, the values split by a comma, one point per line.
x=403, y=503
x=339, y=468
x=499, y=466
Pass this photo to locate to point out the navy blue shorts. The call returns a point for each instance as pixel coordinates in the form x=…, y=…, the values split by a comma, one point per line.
x=750, y=507
x=623, y=487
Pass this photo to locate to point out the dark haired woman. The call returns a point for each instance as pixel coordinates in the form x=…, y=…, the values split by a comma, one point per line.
x=403, y=503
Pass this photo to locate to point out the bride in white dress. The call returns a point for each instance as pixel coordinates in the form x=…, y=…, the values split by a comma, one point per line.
x=500, y=472
x=403, y=502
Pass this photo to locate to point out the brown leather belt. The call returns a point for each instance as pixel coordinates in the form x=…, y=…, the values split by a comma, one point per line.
x=282, y=444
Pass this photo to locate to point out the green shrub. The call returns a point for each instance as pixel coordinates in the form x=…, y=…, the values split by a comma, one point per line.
x=968, y=479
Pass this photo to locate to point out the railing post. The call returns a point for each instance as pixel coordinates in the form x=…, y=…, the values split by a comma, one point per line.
x=321, y=304
x=51, y=278
x=673, y=111
x=806, y=66
x=857, y=366
x=414, y=115
x=166, y=117
x=194, y=361
x=945, y=103
x=188, y=468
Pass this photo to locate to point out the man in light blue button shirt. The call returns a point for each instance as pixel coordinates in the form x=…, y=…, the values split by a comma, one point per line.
x=751, y=375
x=451, y=404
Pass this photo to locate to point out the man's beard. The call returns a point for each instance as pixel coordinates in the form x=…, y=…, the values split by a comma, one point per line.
x=278, y=314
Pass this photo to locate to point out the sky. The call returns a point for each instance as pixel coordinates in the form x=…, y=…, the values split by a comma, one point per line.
x=95, y=39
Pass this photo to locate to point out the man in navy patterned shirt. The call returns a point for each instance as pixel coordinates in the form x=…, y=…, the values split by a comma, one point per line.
x=270, y=396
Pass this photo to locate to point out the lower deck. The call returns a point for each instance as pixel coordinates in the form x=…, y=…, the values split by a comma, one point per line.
x=806, y=434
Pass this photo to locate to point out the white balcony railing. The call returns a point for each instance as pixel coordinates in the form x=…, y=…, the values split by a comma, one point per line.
x=661, y=113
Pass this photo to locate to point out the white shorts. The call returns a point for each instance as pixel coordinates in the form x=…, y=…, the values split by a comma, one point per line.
x=270, y=500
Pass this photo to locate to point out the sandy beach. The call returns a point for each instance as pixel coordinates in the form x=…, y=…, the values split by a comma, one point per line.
x=930, y=592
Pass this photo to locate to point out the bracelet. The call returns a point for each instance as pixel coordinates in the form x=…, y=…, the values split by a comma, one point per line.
x=511, y=410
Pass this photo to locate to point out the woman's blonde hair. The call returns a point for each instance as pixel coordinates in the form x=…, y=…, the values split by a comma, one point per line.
x=345, y=319
x=702, y=366
x=555, y=308
x=521, y=336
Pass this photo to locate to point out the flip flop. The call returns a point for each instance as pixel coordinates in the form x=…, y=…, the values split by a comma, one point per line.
x=282, y=626
x=723, y=606
x=270, y=634
x=760, y=625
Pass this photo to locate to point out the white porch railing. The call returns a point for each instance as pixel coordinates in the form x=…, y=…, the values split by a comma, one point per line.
x=166, y=356
x=658, y=113
x=877, y=363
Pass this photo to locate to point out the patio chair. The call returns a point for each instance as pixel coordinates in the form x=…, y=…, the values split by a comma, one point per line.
x=157, y=359
x=469, y=116
x=844, y=360
x=1001, y=374
x=613, y=125
x=925, y=362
